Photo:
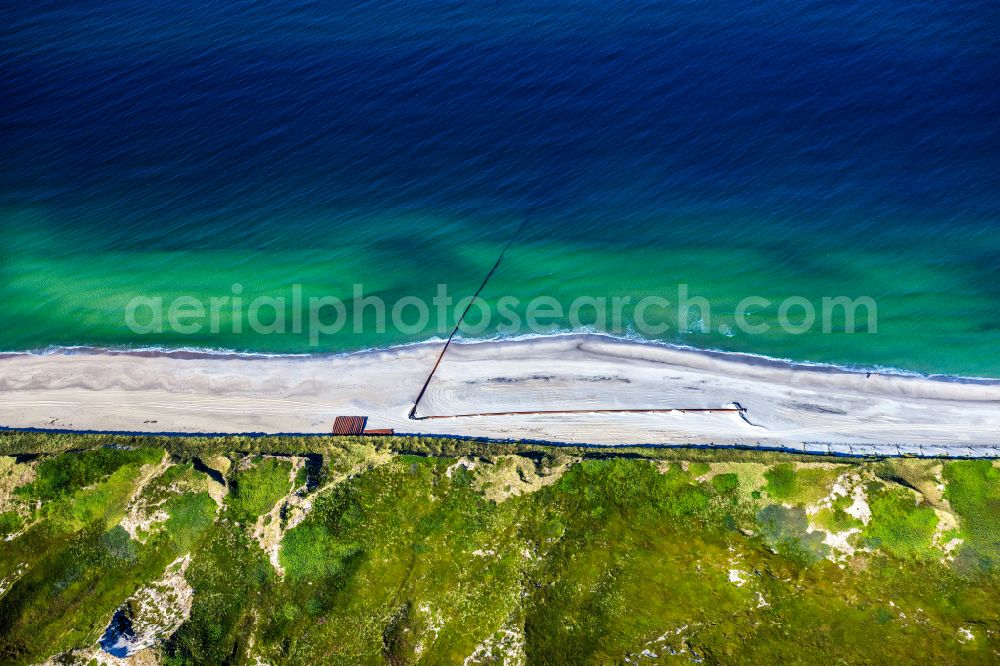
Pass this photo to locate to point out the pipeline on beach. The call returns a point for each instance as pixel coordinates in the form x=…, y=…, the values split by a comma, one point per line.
x=454, y=332
x=652, y=410
x=444, y=349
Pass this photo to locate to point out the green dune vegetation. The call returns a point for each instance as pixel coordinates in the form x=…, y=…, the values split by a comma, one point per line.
x=409, y=550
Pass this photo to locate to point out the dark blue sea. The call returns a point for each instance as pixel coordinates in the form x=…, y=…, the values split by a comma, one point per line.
x=774, y=150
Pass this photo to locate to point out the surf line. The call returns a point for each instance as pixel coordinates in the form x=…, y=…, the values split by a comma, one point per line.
x=413, y=410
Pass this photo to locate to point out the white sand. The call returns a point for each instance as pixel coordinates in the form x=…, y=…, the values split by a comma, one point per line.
x=789, y=406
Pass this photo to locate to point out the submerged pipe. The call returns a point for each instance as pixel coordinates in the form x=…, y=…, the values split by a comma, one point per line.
x=423, y=389
x=413, y=410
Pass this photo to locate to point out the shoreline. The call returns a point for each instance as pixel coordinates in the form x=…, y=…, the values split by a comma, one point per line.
x=748, y=358
x=789, y=406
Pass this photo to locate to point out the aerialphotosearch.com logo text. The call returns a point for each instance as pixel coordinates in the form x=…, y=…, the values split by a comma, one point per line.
x=327, y=315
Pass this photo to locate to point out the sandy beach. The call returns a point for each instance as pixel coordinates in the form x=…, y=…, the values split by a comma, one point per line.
x=790, y=406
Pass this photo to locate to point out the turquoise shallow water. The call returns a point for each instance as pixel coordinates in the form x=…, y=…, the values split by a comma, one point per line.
x=159, y=153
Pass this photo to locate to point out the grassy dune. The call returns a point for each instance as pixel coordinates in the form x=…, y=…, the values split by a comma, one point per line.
x=433, y=551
